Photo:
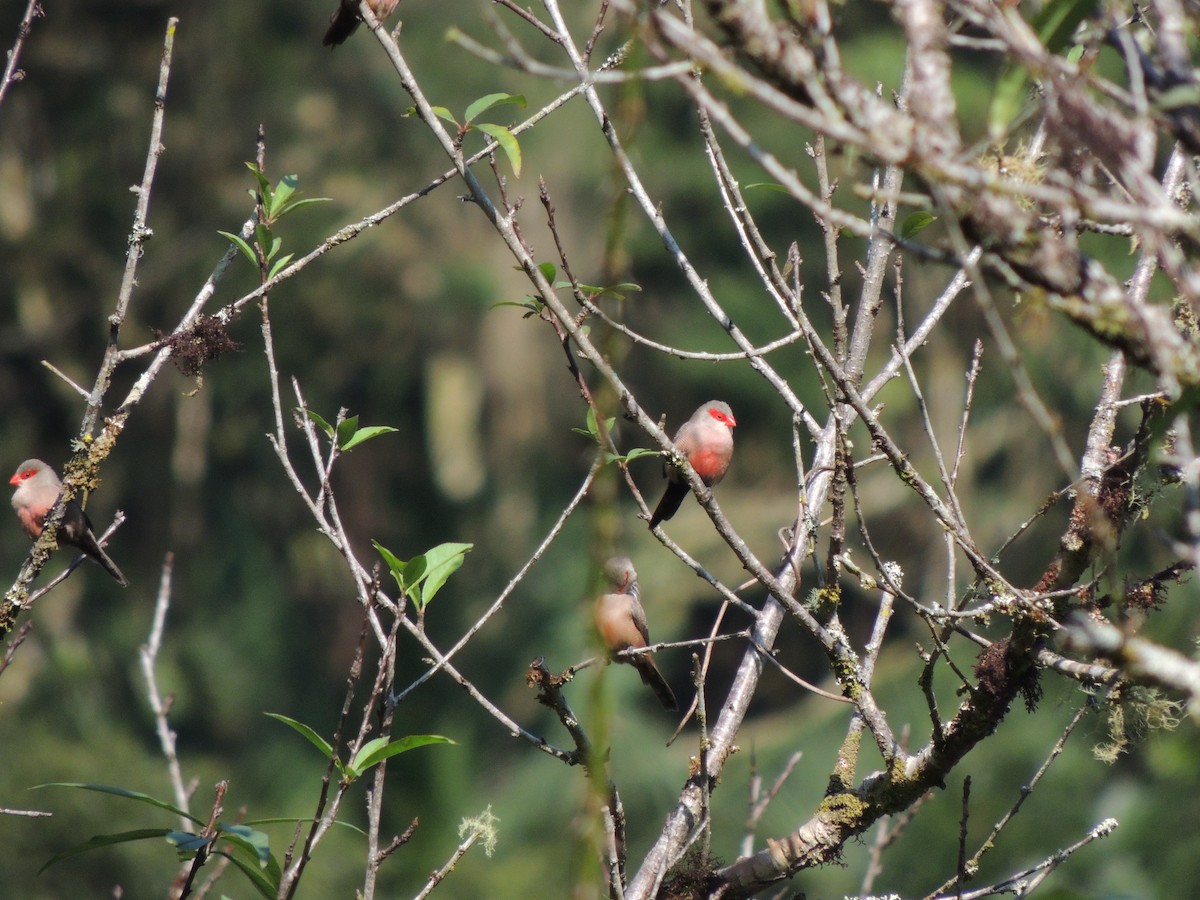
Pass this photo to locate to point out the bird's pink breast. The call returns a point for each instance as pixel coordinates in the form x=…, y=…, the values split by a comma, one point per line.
x=32, y=520
x=710, y=465
x=614, y=621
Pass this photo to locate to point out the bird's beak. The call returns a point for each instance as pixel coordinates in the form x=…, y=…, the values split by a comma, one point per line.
x=16, y=479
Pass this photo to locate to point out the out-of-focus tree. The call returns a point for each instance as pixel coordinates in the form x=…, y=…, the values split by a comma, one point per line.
x=940, y=263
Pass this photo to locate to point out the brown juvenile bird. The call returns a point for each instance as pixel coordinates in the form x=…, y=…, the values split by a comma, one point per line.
x=706, y=439
x=37, y=490
x=346, y=18
x=621, y=622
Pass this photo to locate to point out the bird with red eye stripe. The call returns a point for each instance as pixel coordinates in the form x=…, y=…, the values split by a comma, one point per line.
x=37, y=489
x=706, y=440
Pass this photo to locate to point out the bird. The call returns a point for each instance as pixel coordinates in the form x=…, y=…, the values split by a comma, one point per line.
x=346, y=17
x=621, y=624
x=706, y=439
x=37, y=489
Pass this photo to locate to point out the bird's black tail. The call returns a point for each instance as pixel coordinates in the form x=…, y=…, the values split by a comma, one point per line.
x=652, y=677
x=342, y=24
x=670, y=502
x=110, y=567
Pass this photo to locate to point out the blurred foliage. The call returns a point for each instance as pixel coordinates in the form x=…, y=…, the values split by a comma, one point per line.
x=399, y=326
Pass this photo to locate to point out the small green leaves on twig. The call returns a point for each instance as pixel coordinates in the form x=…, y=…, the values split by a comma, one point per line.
x=370, y=754
x=501, y=134
x=273, y=203
x=590, y=292
x=593, y=431
x=278, y=202
x=423, y=576
x=247, y=848
x=347, y=434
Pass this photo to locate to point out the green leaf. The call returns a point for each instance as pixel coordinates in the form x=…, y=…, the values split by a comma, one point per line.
x=617, y=290
x=490, y=100
x=276, y=244
x=592, y=430
x=395, y=564
x=441, y=562
x=280, y=265
x=237, y=241
x=376, y=751
x=636, y=453
x=548, y=270
x=104, y=840
x=442, y=113
x=532, y=306
x=299, y=204
x=346, y=429
x=263, y=237
x=431, y=568
x=246, y=853
x=286, y=188
x=188, y=844
x=264, y=186
x=319, y=422
x=916, y=222
x=292, y=820
x=507, y=141
x=257, y=878
x=257, y=841
x=123, y=792
x=315, y=739
x=768, y=185
x=1179, y=96
x=365, y=434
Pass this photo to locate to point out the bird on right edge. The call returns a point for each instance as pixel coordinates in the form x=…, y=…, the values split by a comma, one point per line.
x=706, y=439
x=345, y=19
x=621, y=623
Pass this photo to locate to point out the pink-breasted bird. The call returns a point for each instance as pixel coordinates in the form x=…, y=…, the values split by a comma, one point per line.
x=37, y=490
x=706, y=439
x=345, y=19
x=621, y=623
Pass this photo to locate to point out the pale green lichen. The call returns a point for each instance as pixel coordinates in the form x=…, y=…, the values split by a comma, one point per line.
x=484, y=826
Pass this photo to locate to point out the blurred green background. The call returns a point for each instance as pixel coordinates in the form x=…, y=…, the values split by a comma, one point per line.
x=399, y=327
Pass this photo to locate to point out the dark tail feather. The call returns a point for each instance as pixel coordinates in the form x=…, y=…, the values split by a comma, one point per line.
x=670, y=502
x=76, y=530
x=110, y=567
x=341, y=25
x=651, y=676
